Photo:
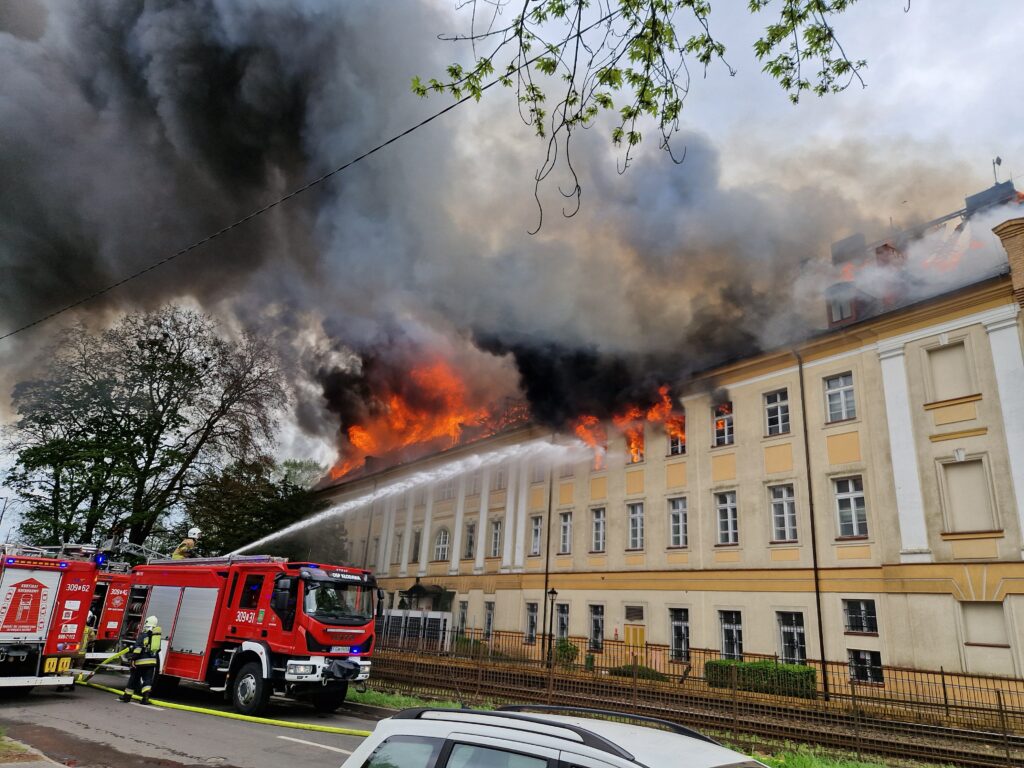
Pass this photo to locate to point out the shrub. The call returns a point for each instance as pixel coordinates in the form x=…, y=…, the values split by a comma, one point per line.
x=763, y=677
x=642, y=672
x=566, y=653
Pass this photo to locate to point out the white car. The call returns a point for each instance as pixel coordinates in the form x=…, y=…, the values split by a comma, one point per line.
x=537, y=737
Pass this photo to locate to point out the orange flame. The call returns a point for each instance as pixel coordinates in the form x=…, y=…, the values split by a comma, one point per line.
x=591, y=431
x=664, y=412
x=631, y=423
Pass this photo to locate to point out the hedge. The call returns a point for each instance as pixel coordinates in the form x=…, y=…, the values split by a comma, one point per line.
x=763, y=677
x=642, y=672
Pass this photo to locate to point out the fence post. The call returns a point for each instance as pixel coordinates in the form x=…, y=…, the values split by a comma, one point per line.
x=945, y=693
x=734, y=682
x=479, y=682
x=551, y=678
x=1005, y=727
x=634, y=683
x=856, y=718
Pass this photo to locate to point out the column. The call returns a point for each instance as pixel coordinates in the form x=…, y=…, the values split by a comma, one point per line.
x=906, y=474
x=484, y=535
x=521, y=505
x=387, y=534
x=510, y=499
x=1004, y=337
x=407, y=536
x=460, y=511
x=427, y=540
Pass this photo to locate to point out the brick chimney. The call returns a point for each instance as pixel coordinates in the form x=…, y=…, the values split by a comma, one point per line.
x=1011, y=232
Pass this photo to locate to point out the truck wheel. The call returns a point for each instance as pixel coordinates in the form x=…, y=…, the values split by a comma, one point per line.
x=329, y=698
x=249, y=691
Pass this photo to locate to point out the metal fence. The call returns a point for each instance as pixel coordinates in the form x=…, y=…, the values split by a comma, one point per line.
x=945, y=717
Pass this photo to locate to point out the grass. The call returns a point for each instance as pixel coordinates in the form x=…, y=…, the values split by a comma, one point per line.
x=400, y=700
x=808, y=758
x=9, y=749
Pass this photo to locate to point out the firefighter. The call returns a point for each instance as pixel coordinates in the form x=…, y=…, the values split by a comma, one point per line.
x=187, y=545
x=145, y=660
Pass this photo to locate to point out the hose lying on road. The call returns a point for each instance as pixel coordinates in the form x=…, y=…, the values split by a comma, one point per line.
x=236, y=716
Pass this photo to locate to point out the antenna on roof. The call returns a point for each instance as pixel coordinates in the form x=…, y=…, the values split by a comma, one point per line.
x=998, y=161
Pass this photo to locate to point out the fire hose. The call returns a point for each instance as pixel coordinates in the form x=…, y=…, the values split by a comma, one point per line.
x=88, y=675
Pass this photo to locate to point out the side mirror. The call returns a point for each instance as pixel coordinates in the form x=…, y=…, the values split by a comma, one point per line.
x=380, y=602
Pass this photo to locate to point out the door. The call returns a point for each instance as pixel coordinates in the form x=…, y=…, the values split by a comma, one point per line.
x=27, y=597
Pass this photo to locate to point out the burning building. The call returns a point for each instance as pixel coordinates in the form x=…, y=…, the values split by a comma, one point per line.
x=841, y=498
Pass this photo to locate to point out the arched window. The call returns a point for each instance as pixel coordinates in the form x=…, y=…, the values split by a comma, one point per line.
x=441, y=545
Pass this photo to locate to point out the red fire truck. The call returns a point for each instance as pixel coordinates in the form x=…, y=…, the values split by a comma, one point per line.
x=44, y=602
x=254, y=625
x=109, y=605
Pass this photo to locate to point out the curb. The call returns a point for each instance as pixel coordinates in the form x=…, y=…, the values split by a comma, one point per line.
x=38, y=759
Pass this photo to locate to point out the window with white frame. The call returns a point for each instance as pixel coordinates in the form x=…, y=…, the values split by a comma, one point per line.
x=866, y=666
x=469, y=546
x=562, y=621
x=495, y=550
x=474, y=484
x=732, y=634
x=441, y=543
x=538, y=472
x=679, y=633
x=536, y=533
x=463, y=616
x=676, y=445
x=792, y=640
x=840, y=309
x=445, y=490
x=860, y=616
x=488, y=618
x=839, y=397
x=597, y=529
x=499, y=479
x=850, y=506
x=776, y=412
x=783, y=513
x=677, y=535
x=564, y=533
x=635, y=515
x=417, y=543
x=531, y=624
x=722, y=423
x=596, y=627
x=728, y=518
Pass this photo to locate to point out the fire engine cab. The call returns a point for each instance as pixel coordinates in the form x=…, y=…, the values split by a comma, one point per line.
x=255, y=625
x=44, y=601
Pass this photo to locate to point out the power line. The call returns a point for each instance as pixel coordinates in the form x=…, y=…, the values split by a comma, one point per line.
x=294, y=193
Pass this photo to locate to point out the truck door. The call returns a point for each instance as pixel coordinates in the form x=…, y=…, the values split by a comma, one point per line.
x=248, y=615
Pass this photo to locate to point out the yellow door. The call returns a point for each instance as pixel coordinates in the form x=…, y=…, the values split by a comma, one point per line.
x=634, y=634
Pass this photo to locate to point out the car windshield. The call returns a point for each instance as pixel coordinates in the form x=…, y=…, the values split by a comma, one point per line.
x=338, y=603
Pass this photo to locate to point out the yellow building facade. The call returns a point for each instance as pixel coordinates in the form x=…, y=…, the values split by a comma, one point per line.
x=863, y=490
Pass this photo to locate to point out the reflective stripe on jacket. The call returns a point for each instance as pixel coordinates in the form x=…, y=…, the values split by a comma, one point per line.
x=146, y=648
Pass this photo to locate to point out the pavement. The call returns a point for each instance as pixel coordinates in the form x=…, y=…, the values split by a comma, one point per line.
x=88, y=728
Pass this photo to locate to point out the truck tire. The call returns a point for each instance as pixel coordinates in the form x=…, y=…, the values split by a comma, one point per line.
x=329, y=698
x=249, y=691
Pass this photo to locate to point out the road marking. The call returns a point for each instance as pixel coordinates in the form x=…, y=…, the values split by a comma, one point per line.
x=314, y=744
x=150, y=707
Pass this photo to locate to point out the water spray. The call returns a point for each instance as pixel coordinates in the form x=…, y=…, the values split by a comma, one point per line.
x=572, y=450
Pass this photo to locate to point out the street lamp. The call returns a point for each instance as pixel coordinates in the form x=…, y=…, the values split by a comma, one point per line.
x=552, y=594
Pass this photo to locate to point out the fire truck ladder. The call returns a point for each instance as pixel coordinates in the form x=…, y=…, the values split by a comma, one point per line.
x=227, y=560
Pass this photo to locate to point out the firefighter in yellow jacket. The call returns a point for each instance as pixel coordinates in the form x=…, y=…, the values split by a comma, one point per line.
x=145, y=660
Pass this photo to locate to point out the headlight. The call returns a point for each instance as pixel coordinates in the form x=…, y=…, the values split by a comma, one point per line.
x=300, y=669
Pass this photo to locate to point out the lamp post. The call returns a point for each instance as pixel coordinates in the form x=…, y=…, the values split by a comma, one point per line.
x=552, y=594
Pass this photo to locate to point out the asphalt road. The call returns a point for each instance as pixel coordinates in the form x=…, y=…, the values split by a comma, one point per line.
x=91, y=729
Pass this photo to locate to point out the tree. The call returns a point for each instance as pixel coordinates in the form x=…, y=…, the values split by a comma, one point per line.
x=246, y=501
x=638, y=52
x=305, y=473
x=122, y=423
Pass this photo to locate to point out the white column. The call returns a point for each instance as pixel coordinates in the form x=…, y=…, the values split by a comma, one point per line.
x=906, y=474
x=1004, y=337
x=427, y=540
x=483, y=535
x=510, y=500
x=521, y=506
x=387, y=535
x=460, y=511
x=407, y=535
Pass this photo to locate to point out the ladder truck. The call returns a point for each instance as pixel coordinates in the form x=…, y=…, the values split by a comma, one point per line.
x=250, y=626
x=45, y=593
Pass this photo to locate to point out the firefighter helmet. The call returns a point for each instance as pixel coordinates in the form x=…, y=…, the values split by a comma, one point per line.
x=193, y=533
x=151, y=621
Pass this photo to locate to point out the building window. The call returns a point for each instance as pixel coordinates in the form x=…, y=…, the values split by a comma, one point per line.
x=597, y=530
x=417, y=543
x=375, y=549
x=634, y=614
x=565, y=533
x=475, y=483
x=463, y=616
x=420, y=497
x=840, y=309
x=446, y=489
x=679, y=633
x=950, y=372
x=721, y=416
x=676, y=445
x=985, y=624
x=866, y=666
x=776, y=412
x=732, y=634
x=536, y=532
x=839, y=396
x=495, y=538
x=567, y=470
x=596, y=627
x=794, y=645
x=853, y=515
x=562, y=621
x=499, y=480
x=677, y=522
x=968, y=500
x=538, y=473
x=396, y=554
x=635, y=512
x=488, y=619
x=860, y=616
x=441, y=551
x=728, y=519
x=470, y=545
x=531, y=624
x=783, y=513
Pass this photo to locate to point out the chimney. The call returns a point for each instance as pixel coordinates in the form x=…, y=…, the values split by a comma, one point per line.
x=1011, y=232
